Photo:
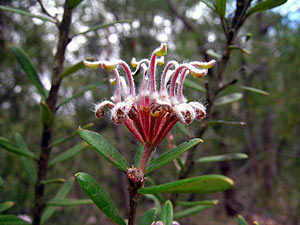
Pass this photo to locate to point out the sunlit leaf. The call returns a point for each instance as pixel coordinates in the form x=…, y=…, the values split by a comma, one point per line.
x=166, y=215
x=99, y=197
x=172, y=154
x=242, y=220
x=205, y=202
x=28, y=163
x=25, y=13
x=265, y=5
x=73, y=69
x=11, y=220
x=194, y=85
x=98, y=27
x=254, y=90
x=68, y=153
x=61, y=194
x=104, y=148
x=29, y=69
x=221, y=7
x=256, y=223
x=201, y=184
x=213, y=54
x=191, y=211
x=227, y=99
x=69, y=202
x=54, y=181
x=148, y=217
x=222, y=158
x=7, y=145
x=6, y=205
x=46, y=115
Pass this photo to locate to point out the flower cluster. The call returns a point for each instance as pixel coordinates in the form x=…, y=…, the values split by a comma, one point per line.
x=150, y=114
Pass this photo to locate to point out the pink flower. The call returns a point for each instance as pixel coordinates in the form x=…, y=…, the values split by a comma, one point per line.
x=150, y=114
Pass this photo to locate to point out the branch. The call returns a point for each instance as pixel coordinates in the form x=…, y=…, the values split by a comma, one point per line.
x=44, y=10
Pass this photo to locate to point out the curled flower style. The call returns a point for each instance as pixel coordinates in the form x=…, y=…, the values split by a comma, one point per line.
x=150, y=114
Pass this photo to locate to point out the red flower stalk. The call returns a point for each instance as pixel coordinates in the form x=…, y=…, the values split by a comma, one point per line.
x=150, y=114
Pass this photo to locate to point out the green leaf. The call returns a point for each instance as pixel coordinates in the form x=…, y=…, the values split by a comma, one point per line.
x=73, y=69
x=159, y=196
x=209, y=4
x=256, y=223
x=227, y=99
x=182, y=129
x=213, y=54
x=61, y=194
x=166, y=215
x=242, y=220
x=64, y=139
x=104, y=148
x=201, y=184
x=254, y=90
x=7, y=145
x=138, y=157
x=265, y=5
x=28, y=163
x=98, y=27
x=99, y=197
x=191, y=211
x=154, y=199
x=222, y=122
x=205, y=202
x=81, y=92
x=221, y=7
x=69, y=202
x=148, y=217
x=172, y=154
x=243, y=50
x=25, y=13
x=68, y=154
x=46, y=115
x=222, y=158
x=74, y=3
x=54, y=181
x=29, y=69
x=11, y=220
x=194, y=85
x=6, y=205
x=1, y=182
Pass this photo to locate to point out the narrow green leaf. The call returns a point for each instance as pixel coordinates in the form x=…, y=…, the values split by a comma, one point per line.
x=221, y=7
x=166, y=215
x=61, y=194
x=209, y=4
x=99, y=197
x=222, y=122
x=254, y=90
x=138, y=157
x=73, y=69
x=25, y=13
x=68, y=154
x=46, y=115
x=213, y=54
x=191, y=211
x=64, y=139
x=28, y=163
x=222, y=158
x=227, y=99
x=148, y=217
x=159, y=196
x=11, y=220
x=7, y=145
x=242, y=220
x=205, y=202
x=1, y=182
x=243, y=50
x=181, y=164
x=69, y=202
x=256, y=223
x=265, y=5
x=182, y=129
x=81, y=92
x=98, y=27
x=172, y=154
x=201, y=184
x=54, y=181
x=154, y=199
x=6, y=205
x=29, y=69
x=74, y=3
x=194, y=85
x=104, y=148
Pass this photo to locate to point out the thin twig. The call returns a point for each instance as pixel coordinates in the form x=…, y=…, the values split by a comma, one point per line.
x=44, y=10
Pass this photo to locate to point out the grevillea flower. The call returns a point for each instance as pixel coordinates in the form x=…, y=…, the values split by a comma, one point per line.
x=151, y=113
